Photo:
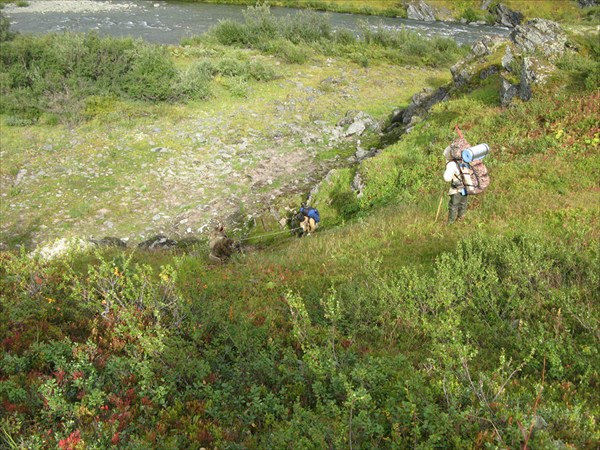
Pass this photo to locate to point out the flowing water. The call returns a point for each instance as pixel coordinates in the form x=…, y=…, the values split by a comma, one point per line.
x=169, y=22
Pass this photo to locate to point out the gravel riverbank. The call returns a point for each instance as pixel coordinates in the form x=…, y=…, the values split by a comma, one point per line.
x=66, y=6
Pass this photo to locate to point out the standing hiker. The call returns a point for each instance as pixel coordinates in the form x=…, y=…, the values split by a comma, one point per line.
x=466, y=173
x=457, y=205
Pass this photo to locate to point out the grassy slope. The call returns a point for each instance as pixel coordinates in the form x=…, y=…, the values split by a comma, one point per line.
x=73, y=175
x=241, y=327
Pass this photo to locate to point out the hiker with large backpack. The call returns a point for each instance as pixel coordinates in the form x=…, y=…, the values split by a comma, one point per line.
x=309, y=219
x=466, y=174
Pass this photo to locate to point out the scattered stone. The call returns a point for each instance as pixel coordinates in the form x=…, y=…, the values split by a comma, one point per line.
x=508, y=59
x=20, y=175
x=357, y=122
x=421, y=103
x=356, y=128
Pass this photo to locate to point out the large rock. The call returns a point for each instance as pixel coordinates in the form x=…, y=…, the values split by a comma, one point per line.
x=419, y=10
x=540, y=35
x=587, y=3
x=422, y=102
x=506, y=16
x=532, y=71
x=158, y=242
x=109, y=241
x=508, y=92
x=357, y=122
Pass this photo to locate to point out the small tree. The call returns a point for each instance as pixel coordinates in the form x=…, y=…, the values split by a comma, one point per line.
x=5, y=34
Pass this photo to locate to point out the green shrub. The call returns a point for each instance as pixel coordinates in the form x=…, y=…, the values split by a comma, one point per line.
x=151, y=75
x=231, y=32
x=584, y=70
x=231, y=67
x=470, y=15
x=307, y=27
x=289, y=36
x=12, y=121
x=344, y=36
x=5, y=34
x=289, y=52
x=194, y=81
x=237, y=87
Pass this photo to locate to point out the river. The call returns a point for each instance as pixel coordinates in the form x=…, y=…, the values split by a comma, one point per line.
x=169, y=22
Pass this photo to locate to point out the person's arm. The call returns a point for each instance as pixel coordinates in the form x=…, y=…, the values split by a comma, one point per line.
x=451, y=171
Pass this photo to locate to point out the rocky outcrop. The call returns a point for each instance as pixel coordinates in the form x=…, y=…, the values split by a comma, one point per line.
x=540, y=35
x=474, y=65
x=587, y=3
x=527, y=60
x=421, y=103
x=505, y=16
x=536, y=37
x=419, y=10
x=158, y=242
x=109, y=241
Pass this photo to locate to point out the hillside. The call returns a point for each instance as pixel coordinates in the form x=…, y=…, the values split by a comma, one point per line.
x=386, y=328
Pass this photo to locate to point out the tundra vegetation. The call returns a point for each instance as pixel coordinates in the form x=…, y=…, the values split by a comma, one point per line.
x=385, y=329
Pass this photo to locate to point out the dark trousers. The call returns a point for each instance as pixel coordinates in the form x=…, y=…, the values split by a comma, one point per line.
x=457, y=207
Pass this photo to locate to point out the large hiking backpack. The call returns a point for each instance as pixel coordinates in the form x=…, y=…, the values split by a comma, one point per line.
x=474, y=175
x=313, y=213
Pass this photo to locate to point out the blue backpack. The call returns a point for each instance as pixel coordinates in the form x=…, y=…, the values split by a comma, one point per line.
x=313, y=213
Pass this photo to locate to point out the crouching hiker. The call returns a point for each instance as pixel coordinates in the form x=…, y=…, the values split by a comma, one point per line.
x=221, y=246
x=310, y=219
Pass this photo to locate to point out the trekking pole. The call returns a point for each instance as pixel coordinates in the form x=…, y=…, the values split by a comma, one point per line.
x=268, y=234
x=438, y=208
x=460, y=135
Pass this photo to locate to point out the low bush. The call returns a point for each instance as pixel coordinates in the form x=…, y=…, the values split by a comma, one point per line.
x=290, y=35
x=5, y=33
x=583, y=66
x=124, y=353
x=55, y=74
